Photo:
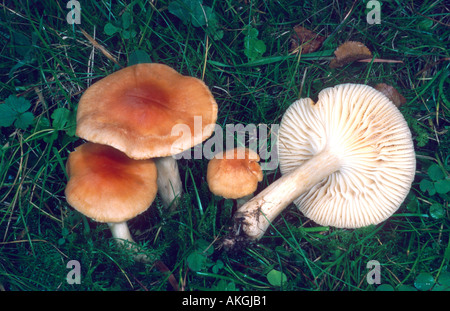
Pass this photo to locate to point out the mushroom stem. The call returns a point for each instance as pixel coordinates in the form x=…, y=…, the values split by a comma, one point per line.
x=169, y=181
x=254, y=217
x=121, y=233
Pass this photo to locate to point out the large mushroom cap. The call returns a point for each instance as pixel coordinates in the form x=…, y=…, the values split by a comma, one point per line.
x=107, y=186
x=234, y=173
x=370, y=138
x=135, y=109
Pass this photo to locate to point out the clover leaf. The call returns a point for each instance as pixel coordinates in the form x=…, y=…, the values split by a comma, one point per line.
x=124, y=27
x=436, y=181
x=14, y=111
x=254, y=48
x=195, y=13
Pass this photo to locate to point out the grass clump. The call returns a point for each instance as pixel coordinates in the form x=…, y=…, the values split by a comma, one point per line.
x=241, y=51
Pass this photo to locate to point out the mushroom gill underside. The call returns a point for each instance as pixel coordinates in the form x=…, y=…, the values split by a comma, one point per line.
x=369, y=139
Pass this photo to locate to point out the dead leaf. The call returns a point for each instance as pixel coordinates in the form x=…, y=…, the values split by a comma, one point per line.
x=349, y=52
x=391, y=93
x=305, y=39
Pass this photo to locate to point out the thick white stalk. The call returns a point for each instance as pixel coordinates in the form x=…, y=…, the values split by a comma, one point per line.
x=255, y=216
x=169, y=181
x=120, y=231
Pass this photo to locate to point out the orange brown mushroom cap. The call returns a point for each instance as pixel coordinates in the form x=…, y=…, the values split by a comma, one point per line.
x=234, y=173
x=135, y=109
x=107, y=186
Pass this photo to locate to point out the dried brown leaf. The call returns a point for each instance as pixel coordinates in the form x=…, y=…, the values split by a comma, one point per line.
x=349, y=52
x=305, y=39
x=391, y=93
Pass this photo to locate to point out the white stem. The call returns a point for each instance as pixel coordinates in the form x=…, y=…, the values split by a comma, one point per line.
x=169, y=181
x=122, y=235
x=255, y=216
x=120, y=231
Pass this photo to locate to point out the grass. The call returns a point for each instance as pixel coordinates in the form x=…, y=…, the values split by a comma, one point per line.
x=50, y=63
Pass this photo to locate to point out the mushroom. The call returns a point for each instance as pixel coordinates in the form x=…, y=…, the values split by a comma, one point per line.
x=234, y=174
x=135, y=109
x=346, y=161
x=109, y=187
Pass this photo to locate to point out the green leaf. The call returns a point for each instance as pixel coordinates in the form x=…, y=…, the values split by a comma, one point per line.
x=60, y=118
x=18, y=104
x=24, y=120
x=22, y=43
x=413, y=204
x=71, y=127
x=127, y=19
x=14, y=110
x=110, y=29
x=179, y=9
x=427, y=185
x=198, y=14
x=252, y=33
x=259, y=46
x=437, y=211
x=128, y=34
x=196, y=261
x=435, y=172
x=217, y=266
x=442, y=186
x=444, y=279
x=205, y=247
x=138, y=57
x=189, y=11
x=7, y=115
x=253, y=47
x=218, y=34
x=21, y=105
x=424, y=281
x=222, y=285
x=447, y=253
x=276, y=278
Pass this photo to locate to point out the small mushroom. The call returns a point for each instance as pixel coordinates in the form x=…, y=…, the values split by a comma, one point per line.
x=234, y=174
x=109, y=187
x=346, y=161
x=135, y=110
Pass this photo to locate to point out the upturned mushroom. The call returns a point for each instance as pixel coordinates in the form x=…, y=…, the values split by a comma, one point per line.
x=109, y=187
x=234, y=174
x=347, y=161
x=135, y=109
